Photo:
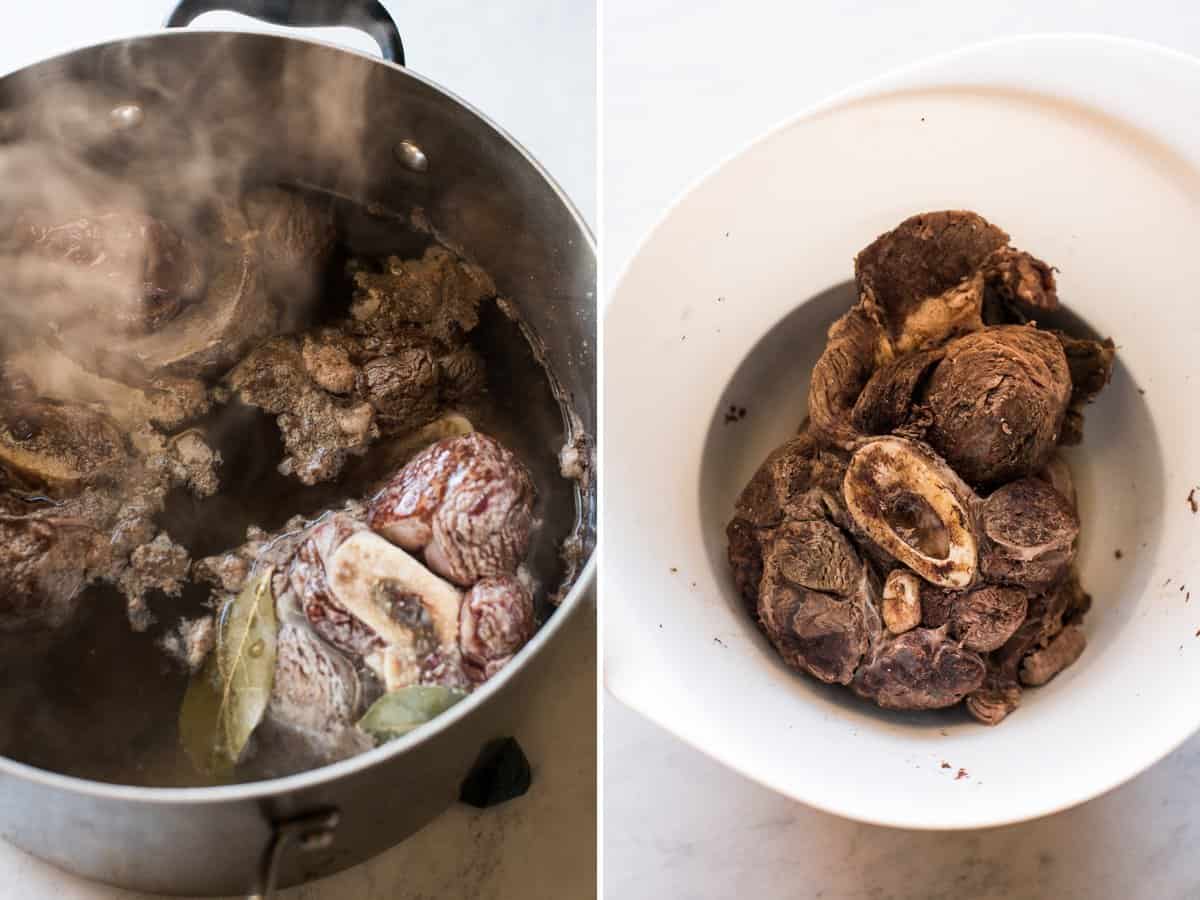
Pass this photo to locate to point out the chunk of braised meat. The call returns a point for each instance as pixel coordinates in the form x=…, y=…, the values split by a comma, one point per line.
x=919, y=285
x=1091, y=365
x=45, y=568
x=139, y=271
x=57, y=449
x=320, y=431
x=496, y=620
x=1000, y=694
x=921, y=669
x=1042, y=665
x=395, y=365
x=403, y=389
x=810, y=589
x=1031, y=530
x=852, y=352
x=440, y=293
x=983, y=619
x=467, y=502
x=799, y=480
x=815, y=600
x=1020, y=287
x=906, y=272
x=997, y=402
x=1057, y=474
x=316, y=699
x=891, y=401
x=306, y=579
x=130, y=298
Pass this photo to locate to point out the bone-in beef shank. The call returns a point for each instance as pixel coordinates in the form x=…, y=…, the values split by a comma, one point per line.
x=916, y=540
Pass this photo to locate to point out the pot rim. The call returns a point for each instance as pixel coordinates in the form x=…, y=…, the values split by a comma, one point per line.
x=313, y=778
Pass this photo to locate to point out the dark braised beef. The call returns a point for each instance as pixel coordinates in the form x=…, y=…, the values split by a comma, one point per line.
x=916, y=540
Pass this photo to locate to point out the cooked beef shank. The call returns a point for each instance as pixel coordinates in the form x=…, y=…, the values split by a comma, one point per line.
x=397, y=363
x=915, y=541
x=361, y=615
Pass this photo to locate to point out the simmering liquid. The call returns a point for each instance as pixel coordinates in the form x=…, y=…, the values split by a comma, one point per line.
x=100, y=701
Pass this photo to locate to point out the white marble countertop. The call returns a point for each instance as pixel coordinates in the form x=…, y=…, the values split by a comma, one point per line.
x=686, y=83
x=530, y=65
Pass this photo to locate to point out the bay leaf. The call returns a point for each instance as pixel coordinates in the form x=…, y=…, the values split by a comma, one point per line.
x=398, y=712
x=228, y=697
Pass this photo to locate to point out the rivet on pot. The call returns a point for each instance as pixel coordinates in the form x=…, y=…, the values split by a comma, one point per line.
x=411, y=156
x=126, y=116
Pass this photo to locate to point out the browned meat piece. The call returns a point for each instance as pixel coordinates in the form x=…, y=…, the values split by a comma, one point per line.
x=1031, y=530
x=853, y=351
x=919, y=285
x=388, y=370
x=320, y=430
x=920, y=669
x=1001, y=691
x=810, y=589
x=983, y=619
x=402, y=388
x=129, y=298
x=998, y=400
x=467, y=502
x=935, y=384
x=82, y=498
x=316, y=699
x=44, y=565
x=790, y=479
x=815, y=599
x=59, y=448
x=1090, y=363
x=1022, y=284
x=440, y=293
x=907, y=270
x=359, y=615
x=890, y=403
x=1091, y=366
x=461, y=375
x=140, y=273
x=496, y=620
x=1042, y=665
x=337, y=392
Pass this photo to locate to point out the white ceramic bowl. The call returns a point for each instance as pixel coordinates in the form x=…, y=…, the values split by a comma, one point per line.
x=1087, y=150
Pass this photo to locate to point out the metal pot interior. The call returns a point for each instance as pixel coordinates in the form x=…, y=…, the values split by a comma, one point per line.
x=183, y=115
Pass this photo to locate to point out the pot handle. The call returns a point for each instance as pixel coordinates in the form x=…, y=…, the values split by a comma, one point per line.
x=313, y=831
x=367, y=16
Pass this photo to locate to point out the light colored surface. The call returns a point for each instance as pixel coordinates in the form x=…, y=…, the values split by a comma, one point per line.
x=680, y=826
x=677, y=824
x=688, y=82
x=530, y=66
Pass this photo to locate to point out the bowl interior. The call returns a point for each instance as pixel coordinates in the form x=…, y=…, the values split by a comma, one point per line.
x=727, y=305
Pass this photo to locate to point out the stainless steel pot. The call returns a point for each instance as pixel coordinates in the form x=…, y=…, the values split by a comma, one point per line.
x=258, y=103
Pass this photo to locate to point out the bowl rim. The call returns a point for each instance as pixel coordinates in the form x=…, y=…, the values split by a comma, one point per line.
x=578, y=594
x=979, y=57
